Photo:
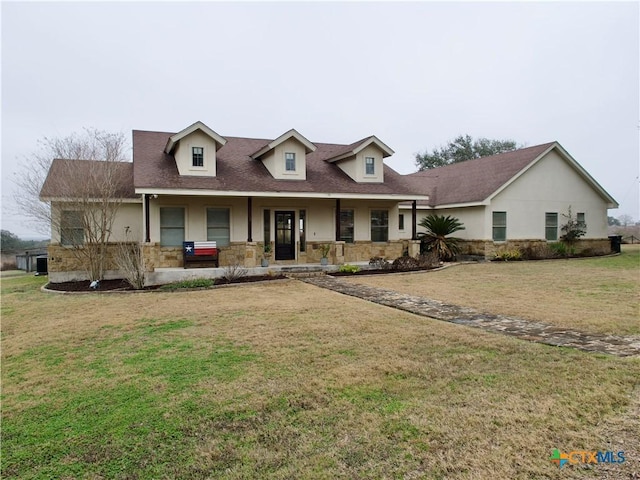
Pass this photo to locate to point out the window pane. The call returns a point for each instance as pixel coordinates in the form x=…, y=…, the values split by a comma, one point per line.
x=369, y=165
x=218, y=229
x=198, y=156
x=303, y=226
x=379, y=225
x=580, y=219
x=290, y=162
x=266, y=220
x=71, y=228
x=551, y=226
x=401, y=221
x=346, y=226
x=499, y=226
x=171, y=226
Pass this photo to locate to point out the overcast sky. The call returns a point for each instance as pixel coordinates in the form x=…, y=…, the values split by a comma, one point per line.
x=414, y=74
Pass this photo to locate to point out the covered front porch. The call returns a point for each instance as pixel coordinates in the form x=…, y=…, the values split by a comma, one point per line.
x=256, y=230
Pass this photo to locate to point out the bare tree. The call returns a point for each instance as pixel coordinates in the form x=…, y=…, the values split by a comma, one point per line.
x=76, y=185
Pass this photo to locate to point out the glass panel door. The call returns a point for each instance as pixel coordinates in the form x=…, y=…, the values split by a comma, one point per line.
x=285, y=235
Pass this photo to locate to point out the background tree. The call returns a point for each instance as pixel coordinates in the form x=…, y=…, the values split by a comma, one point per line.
x=463, y=148
x=437, y=239
x=10, y=242
x=85, y=174
x=613, y=222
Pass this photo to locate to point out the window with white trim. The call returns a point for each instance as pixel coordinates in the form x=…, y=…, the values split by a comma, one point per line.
x=369, y=165
x=218, y=226
x=71, y=228
x=197, y=155
x=290, y=162
x=171, y=226
x=551, y=226
x=499, y=226
x=379, y=225
x=346, y=225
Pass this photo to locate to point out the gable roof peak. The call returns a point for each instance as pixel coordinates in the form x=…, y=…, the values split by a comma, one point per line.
x=292, y=133
x=174, y=139
x=356, y=147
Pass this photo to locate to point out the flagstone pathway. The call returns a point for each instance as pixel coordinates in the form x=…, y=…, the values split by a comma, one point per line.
x=525, y=330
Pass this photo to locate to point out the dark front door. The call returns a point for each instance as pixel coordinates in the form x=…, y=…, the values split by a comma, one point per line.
x=285, y=236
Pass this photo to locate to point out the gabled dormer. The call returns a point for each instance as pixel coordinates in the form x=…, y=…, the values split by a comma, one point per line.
x=363, y=160
x=194, y=149
x=285, y=157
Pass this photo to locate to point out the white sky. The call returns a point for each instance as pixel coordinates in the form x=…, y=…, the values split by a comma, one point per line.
x=415, y=74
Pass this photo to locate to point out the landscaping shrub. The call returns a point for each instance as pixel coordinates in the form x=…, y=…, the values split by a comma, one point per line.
x=428, y=260
x=379, y=263
x=506, y=255
x=234, y=272
x=346, y=268
x=185, y=284
x=405, y=263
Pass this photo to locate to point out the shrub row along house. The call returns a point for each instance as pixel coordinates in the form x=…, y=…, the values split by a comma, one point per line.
x=297, y=196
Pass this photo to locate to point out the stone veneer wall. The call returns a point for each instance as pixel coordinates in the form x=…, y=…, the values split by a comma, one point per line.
x=65, y=259
x=488, y=248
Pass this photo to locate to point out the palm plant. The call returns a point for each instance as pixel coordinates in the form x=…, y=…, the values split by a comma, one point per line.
x=436, y=238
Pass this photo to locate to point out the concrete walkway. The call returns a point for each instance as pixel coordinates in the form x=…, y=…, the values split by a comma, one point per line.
x=525, y=330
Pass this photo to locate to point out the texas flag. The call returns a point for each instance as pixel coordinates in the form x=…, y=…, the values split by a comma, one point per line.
x=199, y=248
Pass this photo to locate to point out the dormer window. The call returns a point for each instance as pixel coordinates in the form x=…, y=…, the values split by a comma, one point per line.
x=369, y=166
x=197, y=154
x=290, y=162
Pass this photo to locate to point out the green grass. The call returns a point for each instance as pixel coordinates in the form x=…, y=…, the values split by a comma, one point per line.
x=117, y=403
x=288, y=381
x=188, y=284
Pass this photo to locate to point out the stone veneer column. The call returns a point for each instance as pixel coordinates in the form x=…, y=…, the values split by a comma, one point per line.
x=339, y=260
x=250, y=254
x=414, y=248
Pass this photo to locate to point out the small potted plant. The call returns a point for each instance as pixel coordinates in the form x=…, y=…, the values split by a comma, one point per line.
x=266, y=254
x=324, y=252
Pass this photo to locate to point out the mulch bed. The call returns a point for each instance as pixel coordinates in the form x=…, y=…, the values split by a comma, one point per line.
x=111, y=285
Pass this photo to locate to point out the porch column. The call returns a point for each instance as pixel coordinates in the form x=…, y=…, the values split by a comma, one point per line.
x=414, y=231
x=338, y=220
x=147, y=228
x=249, y=215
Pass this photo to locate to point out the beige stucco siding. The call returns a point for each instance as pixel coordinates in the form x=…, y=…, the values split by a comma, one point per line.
x=473, y=219
x=320, y=216
x=356, y=169
x=551, y=185
x=184, y=158
x=128, y=219
x=275, y=161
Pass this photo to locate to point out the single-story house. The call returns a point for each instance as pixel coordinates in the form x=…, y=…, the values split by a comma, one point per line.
x=297, y=196
x=516, y=199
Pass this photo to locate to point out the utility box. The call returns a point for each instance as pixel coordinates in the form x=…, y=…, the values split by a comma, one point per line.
x=616, y=241
x=42, y=265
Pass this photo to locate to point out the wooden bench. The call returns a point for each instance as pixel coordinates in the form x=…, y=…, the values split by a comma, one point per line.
x=200, y=254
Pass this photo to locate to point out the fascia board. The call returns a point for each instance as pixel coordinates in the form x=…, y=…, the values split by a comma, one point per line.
x=280, y=194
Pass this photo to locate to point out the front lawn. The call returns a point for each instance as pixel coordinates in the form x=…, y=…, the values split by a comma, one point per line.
x=599, y=295
x=285, y=380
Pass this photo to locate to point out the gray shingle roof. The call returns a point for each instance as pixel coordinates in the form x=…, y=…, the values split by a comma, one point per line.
x=237, y=171
x=77, y=178
x=473, y=180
